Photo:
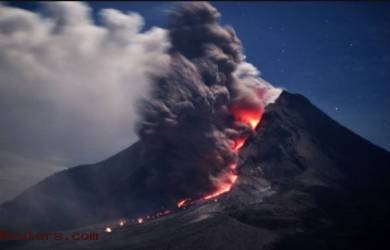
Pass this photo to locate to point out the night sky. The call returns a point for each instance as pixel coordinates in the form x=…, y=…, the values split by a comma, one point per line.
x=335, y=53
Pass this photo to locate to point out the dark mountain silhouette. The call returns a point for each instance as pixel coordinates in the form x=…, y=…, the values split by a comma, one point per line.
x=305, y=182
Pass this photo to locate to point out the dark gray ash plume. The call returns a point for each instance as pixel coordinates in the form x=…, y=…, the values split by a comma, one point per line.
x=189, y=124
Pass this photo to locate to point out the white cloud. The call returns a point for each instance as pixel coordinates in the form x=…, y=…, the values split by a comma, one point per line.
x=68, y=86
x=250, y=75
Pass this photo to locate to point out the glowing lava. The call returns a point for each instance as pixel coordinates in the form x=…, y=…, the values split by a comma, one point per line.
x=249, y=117
x=227, y=179
x=181, y=203
x=122, y=223
x=232, y=166
x=223, y=187
x=238, y=144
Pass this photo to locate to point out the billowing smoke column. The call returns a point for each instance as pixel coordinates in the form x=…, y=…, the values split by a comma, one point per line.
x=201, y=112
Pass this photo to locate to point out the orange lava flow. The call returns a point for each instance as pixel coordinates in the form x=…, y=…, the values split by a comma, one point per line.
x=250, y=117
x=224, y=187
x=238, y=144
x=225, y=181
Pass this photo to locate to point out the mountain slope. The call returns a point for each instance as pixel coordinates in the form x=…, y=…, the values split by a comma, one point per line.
x=304, y=182
x=76, y=196
x=332, y=185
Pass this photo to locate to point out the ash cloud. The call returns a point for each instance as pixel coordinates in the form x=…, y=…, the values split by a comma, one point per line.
x=68, y=86
x=68, y=89
x=189, y=123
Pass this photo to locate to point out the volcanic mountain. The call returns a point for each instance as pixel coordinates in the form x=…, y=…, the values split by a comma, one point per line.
x=304, y=182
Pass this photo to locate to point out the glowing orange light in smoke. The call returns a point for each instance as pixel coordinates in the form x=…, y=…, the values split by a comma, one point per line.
x=249, y=117
x=253, y=123
x=233, y=166
x=228, y=178
x=238, y=143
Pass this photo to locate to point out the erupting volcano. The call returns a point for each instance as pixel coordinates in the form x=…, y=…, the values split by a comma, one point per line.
x=197, y=116
x=224, y=160
x=202, y=111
